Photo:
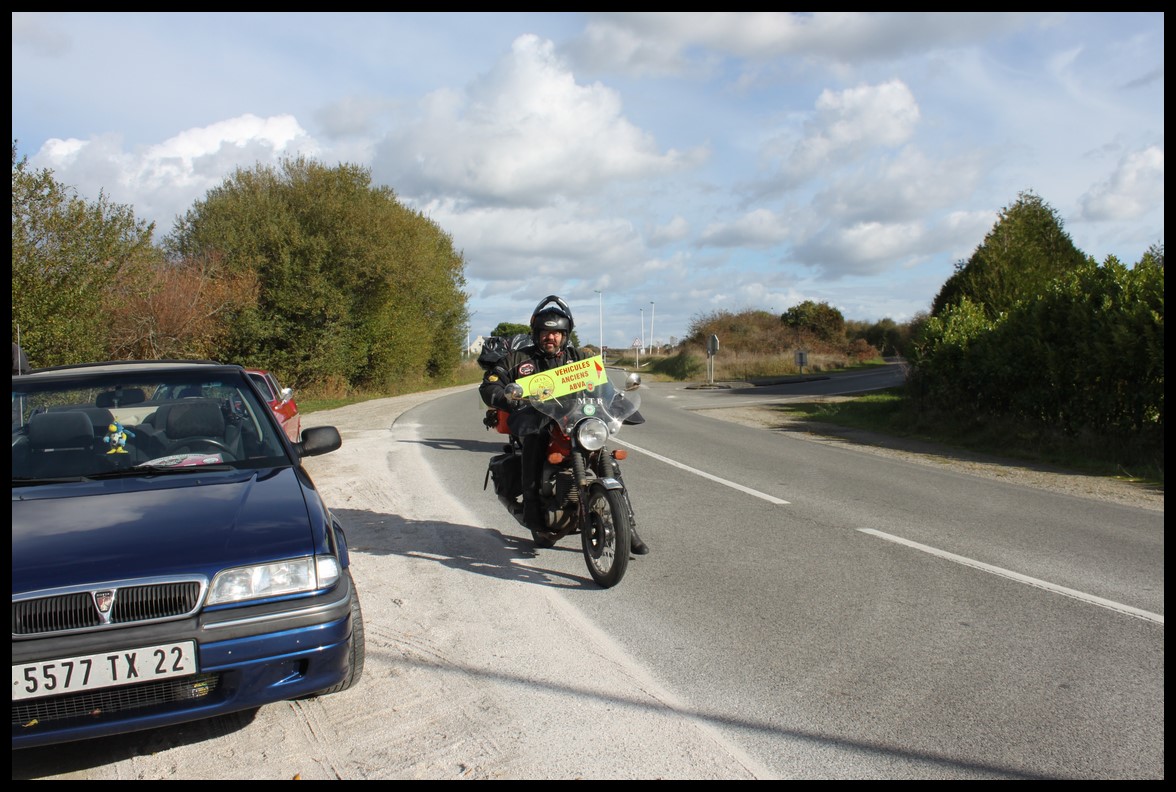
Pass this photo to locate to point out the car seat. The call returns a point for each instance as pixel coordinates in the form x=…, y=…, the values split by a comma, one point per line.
x=189, y=425
x=62, y=444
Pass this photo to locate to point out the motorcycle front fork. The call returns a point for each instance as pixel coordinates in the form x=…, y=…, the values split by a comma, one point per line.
x=612, y=468
x=609, y=467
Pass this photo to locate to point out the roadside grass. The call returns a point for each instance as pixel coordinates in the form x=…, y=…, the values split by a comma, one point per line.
x=889, y=412
x=327, y=398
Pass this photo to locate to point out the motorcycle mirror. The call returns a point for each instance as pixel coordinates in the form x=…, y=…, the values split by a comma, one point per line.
x=514, y=391
x=632, y=381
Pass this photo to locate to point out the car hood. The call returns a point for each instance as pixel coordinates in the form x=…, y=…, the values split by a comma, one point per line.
x=80, y=533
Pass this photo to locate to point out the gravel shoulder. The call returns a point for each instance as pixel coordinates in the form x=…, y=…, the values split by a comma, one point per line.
x=1100, y=488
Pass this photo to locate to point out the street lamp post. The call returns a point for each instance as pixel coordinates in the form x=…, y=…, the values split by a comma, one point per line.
x=600, y=306
x=651, y=315
x=643, y=328
x=469, y=323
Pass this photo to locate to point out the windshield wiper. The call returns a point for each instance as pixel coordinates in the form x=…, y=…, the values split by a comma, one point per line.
x=33, y=482
x=136, y=470
x=147, y=467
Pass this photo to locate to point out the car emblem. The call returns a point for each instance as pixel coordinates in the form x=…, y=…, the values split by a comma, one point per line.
x=103, y=600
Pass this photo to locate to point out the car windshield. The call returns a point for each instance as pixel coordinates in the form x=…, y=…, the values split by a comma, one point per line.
x=120, y=421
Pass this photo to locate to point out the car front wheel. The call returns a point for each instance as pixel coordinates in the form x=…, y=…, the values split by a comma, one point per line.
x=356, y=650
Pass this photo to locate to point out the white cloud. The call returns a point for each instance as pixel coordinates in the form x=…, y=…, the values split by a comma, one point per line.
x=849, y=123
x=29, y=33
x=526, y=133
x=560, y=242
x=164, y=180
x=861, y=249
x=862, y=126
x=906, y=186
x=758, y=228
x=1136, y=187
x=656, y=42
x=676, y=230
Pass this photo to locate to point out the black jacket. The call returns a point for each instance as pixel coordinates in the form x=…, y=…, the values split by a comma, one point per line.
x=517, y=363
x=521, y=361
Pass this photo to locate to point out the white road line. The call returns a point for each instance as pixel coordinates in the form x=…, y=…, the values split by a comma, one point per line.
x=697, y=472
x=1066, y=592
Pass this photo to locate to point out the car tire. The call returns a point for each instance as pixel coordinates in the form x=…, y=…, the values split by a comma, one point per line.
x=356, y=649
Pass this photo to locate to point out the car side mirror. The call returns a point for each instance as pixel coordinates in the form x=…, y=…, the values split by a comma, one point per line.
x=285, y=393
x=318, y=440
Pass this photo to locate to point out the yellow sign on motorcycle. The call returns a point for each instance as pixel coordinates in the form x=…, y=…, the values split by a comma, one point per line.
x=569, y=378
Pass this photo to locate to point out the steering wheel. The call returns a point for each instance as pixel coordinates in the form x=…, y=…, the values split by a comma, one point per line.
x=200, y=441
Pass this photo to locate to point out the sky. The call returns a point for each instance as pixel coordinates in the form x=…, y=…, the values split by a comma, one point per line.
x=652, y=169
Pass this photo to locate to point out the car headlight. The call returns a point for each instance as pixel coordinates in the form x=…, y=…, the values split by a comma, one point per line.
x=292, y=576
x=592, y=434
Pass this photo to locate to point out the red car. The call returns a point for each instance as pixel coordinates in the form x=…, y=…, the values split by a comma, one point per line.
x=281, y=401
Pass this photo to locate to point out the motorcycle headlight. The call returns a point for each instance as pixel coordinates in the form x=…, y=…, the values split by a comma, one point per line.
x=591, y=434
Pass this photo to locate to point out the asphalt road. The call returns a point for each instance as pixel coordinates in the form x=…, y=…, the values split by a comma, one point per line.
x=808, y=611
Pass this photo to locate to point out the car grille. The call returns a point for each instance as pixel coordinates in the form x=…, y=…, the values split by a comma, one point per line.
x=76, y=611
x=96, y=704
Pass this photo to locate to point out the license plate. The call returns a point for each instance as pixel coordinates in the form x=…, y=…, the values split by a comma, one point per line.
x=107, y=669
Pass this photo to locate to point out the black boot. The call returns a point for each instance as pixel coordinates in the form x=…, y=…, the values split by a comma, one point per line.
x=636, y=546
x=533, y=517
x=533, y=513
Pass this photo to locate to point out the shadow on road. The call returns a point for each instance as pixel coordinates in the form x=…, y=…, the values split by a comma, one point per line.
x=467, y=548
x=56, y=760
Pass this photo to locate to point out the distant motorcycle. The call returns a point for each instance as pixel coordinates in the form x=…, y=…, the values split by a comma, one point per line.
x=581, y=488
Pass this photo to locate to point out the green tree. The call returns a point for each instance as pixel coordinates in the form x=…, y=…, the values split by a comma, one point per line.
x=1084, y=360
x=1025, y=250
x=73, y=262
x=509, y=329
x=353, y=288
x=820, y=319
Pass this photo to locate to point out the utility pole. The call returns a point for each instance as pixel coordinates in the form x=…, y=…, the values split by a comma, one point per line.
x=651, y=315
x=469, y=322
x=600, y=305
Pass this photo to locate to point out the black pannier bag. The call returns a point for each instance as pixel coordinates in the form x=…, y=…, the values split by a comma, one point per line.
x=495, y=349
x=493, y=352
x=507, y=472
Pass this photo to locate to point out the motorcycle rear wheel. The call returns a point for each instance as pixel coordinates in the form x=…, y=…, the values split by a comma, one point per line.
x=606, y=536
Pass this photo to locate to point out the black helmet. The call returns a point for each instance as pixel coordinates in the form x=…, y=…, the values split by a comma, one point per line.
x=552, y=313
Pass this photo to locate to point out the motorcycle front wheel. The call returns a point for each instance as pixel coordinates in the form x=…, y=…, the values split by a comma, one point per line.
x=606, y=536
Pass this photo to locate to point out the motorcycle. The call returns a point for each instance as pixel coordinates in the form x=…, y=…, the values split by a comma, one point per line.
x=580, y=489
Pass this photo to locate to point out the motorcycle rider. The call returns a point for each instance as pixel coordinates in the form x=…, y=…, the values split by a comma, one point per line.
x=549, y=347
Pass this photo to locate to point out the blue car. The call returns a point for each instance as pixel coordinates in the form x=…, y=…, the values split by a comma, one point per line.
x=171, y=558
